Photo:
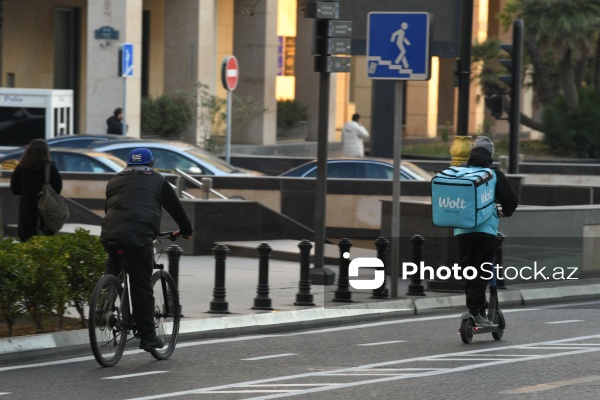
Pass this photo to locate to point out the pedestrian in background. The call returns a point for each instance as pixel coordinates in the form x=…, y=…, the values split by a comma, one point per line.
x=27, y=180
x=115, y=122
x=477, y=246
x=353, y=136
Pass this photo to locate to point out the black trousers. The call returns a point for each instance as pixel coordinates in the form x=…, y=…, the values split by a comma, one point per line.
x=474, y=250
x=139, y=262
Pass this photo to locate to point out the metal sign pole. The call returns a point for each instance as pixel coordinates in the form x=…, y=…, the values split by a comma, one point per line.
x=228, y=134
x=124, y=126
x=395, y=242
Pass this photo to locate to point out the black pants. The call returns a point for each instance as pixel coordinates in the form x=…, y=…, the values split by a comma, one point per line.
x=140, y=263
x=476, y=249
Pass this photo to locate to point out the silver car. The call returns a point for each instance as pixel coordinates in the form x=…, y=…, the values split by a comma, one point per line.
x=171, y=155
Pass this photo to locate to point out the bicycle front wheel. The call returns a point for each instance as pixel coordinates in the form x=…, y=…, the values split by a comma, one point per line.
x=166, y=313
x=108, y=336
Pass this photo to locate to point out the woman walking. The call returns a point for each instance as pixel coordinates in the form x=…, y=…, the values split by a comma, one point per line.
x=27, y=180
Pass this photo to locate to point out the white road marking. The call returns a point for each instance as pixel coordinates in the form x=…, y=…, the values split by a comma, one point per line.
x=266, y=357
x=568, y=321
x=135, y=375
x=574, y=351
x=3, y=393
x=380, y=343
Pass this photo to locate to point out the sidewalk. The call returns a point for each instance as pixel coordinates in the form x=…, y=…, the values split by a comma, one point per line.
x=196, y=282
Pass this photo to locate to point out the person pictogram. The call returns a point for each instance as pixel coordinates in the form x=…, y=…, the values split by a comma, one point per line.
x=401, y=41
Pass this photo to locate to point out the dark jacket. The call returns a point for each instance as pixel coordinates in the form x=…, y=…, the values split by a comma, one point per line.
x=505, y=195
x=134, y=201
x=28, y=183
x=114, y=125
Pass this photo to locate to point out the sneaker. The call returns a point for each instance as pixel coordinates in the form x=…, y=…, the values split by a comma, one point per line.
x=154, y=343
x=481, y=321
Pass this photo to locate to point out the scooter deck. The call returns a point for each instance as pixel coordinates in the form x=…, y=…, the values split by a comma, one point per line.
x=485, y=329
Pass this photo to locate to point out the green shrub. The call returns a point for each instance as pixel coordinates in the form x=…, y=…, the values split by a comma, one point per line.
x=11, y=281
x=290, y=112
x=84, y=266
x=169, y=114
x=45, y=286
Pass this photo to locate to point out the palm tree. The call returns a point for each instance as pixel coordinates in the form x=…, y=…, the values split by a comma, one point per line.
x=563, y=33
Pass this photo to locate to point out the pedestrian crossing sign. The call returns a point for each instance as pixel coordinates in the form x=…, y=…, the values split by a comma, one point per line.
x=398, y=45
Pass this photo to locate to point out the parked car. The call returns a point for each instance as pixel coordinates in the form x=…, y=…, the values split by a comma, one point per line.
x=82, y=140
x=361, y=168
x=171, y=155
x=72, y=160
x=19, y=126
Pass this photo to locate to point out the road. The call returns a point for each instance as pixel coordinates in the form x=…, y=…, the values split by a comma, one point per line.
x=549, y=352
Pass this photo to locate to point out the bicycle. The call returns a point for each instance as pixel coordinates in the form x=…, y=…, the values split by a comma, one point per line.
x=111, y=317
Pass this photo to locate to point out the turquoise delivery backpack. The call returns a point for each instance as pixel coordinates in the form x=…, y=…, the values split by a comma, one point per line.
x=462, y=197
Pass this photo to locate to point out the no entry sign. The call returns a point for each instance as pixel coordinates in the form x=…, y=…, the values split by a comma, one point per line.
x=230, y=73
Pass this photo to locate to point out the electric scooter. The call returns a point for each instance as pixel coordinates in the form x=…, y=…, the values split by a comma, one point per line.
x=468, y=328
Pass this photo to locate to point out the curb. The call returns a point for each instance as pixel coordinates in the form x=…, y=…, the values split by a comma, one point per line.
x=23, y=348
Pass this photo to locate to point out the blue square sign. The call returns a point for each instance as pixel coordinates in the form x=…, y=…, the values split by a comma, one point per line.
x=398, y=45
x=127, y=59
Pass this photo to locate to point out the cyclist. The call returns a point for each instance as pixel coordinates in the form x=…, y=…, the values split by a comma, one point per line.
x=134, y=201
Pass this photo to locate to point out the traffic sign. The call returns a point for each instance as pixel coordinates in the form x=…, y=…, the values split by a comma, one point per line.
x=398, y=45
x=230, y=73
x=322, y=9
x=127, y=60
x=331, y=64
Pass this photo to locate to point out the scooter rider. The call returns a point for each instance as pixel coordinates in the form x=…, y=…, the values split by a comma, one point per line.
x=477, y=245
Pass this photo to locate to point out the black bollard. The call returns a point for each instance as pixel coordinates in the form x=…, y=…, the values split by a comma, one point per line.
x=416, y=287
x=174, y=255
x=382, y=245
x=262, y=301
x=219, y=305
x=343, y=293
x=304, y=297
x=500, y=284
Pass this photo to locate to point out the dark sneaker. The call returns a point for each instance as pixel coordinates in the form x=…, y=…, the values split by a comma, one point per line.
x=154, y=343
x=481, y=321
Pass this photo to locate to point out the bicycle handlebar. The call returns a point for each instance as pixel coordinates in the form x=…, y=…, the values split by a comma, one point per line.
x=171, y=235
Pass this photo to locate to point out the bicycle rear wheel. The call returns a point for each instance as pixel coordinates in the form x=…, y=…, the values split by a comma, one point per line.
x=166, y=313
x=108, y=336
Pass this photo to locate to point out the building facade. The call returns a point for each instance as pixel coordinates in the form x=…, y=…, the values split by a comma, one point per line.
x=74, y=44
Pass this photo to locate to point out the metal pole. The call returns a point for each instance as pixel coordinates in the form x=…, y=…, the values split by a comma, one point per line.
x=304, y=297
x=320, y=274
x=124, y=126
x=395, y=248
x=174, y=255
x=262, y=301
x=382, y=245
x=343, y=293
x=515, y=97
x=219, y=305
x=416, y=287
x=228, y=135
x=464, y=83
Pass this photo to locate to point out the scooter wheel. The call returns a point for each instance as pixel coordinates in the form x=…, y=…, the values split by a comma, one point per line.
x=500, y=332
x=466, y=330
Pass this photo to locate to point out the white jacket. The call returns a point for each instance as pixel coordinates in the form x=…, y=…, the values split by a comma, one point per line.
x=353, y=135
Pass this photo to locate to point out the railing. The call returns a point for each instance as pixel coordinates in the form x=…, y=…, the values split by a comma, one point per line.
x=205, y=185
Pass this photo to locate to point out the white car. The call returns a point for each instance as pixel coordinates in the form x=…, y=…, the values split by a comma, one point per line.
x=171, y=155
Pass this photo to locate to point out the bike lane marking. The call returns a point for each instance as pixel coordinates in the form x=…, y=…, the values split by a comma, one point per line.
x=267, y=357
x=135, y=375
x=349, y=371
